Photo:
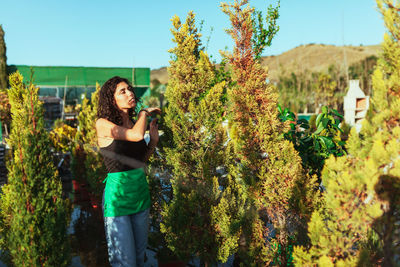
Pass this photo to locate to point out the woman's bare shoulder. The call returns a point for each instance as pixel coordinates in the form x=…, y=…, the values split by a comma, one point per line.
x=103, y=122
x=107, y=129
x=103, y=127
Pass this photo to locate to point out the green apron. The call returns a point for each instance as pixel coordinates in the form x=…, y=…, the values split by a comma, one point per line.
x=126, y=193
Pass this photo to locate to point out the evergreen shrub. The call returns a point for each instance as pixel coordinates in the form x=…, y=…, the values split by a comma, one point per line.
x=33, y=215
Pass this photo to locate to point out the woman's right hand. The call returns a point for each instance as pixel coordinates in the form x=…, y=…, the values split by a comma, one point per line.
x=153, y=110
x=153, y=132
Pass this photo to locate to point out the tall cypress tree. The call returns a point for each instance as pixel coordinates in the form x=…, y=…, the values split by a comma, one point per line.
x=359, y=223
x=87, y=119
x=281, y=195
x=203, y=217
x=87, y=162
x=5, y=110
x=3, y=61
x=33, y=215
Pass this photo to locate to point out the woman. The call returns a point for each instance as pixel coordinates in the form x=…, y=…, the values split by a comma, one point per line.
x=126, y=199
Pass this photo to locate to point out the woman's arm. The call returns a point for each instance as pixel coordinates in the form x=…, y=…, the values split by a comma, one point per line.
x=106, y=128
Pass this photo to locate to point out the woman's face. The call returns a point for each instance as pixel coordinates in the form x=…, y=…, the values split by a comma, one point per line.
x=124, y=98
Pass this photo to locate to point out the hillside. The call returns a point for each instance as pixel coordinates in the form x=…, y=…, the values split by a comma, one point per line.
x=312, y=57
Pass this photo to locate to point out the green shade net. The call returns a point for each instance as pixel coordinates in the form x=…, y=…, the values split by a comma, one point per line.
x=80, y=81
x=80, y=76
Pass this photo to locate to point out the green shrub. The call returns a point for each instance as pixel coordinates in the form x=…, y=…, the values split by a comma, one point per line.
x=33, y=215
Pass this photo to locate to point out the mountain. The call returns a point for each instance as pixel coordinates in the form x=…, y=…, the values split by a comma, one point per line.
x=160, y=74
x=316, y=57
x=311, y=57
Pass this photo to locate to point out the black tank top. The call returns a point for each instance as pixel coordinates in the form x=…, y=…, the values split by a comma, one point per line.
x=123, y=155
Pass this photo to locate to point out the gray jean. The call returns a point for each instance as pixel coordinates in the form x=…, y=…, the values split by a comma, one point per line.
x=127, y=239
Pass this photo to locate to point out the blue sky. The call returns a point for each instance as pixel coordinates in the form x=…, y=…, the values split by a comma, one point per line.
x=124, y=33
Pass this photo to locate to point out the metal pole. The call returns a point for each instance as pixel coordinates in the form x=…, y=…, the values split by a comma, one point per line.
x=133, y=73
x=346, y=69
x=65, y=93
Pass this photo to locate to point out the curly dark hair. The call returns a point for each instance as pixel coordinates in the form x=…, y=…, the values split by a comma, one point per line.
x=107, y=108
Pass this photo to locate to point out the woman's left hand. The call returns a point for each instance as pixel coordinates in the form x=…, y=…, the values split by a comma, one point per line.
x=154, y=132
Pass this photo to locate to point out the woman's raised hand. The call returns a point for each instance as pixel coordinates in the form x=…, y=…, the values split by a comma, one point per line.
x=153, y=110
x=153, y=132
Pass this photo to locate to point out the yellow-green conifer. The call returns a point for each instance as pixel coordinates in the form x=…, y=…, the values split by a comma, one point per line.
x=88, y=162
x=202, y=217
x=359, y=223
x=281, y=195
x=33, y=215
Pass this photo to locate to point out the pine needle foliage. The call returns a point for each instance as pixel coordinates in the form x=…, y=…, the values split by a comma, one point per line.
x=87, y=119
x=34, y=217
x=359, y=224
x=262, y=36
x=87, y=161
x=5, y=109
x=202, y=219
x=282, y=196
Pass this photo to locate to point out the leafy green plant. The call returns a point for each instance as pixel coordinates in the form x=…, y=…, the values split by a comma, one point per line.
x=317, y=141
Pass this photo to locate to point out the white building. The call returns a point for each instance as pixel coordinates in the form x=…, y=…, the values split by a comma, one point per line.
x=356, y=105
